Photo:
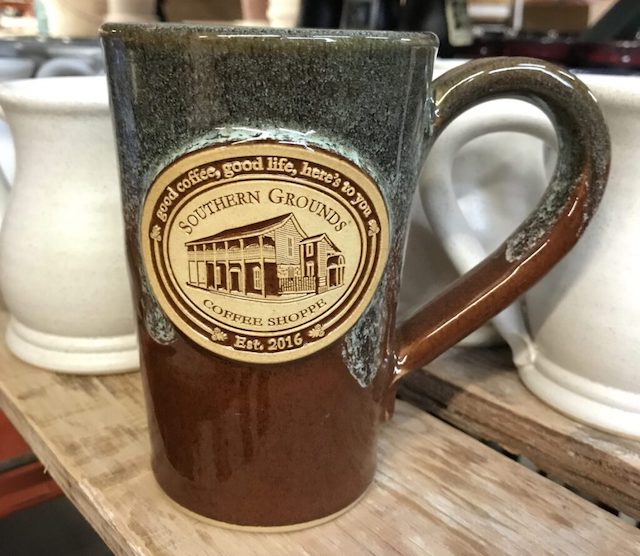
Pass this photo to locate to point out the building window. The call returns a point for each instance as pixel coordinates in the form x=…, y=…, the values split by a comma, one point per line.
x=290, y=246
x=309, y=249
x=257, y=278
x=310, y=269
x=218, y=278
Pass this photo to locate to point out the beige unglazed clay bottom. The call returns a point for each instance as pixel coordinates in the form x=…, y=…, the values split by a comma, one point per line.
x=266, y=529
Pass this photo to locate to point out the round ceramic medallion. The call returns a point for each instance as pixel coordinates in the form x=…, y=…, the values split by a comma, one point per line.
x=264, y=252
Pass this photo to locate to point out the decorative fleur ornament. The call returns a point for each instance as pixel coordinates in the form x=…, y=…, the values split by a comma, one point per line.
x=218, y=335
x=317, y=331
x=155, y=233
x=373, y=228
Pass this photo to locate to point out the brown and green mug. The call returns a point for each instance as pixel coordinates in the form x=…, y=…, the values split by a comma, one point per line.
x=267, y=177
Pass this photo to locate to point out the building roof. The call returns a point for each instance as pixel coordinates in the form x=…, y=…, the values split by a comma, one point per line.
x=318, y=237
x=255, y=229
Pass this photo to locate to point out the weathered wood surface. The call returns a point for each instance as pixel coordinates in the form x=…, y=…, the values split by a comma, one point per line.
x=478, y=391
x=437, y=490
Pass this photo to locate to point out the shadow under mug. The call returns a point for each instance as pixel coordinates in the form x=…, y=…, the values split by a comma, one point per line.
x=267, y=177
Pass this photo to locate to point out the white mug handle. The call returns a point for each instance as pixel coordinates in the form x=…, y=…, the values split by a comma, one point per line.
x=67, y=66
x=4, y=182
x=448, y=221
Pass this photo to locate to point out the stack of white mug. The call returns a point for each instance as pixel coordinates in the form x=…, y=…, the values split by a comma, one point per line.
x=575, y=337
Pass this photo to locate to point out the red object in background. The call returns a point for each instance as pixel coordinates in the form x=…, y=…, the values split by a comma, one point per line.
x=11, y=443
x=25, y=7
x=557, y=50
x=621, y=55
x=22, y=485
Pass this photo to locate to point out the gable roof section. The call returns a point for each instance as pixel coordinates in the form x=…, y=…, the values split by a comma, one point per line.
x=316, y=238
x=255, y=229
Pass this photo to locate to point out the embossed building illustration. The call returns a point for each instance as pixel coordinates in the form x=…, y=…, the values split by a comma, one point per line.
x=271, y=258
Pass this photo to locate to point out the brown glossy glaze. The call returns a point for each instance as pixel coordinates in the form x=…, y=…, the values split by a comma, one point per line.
x=489, y=287
x=260, y=445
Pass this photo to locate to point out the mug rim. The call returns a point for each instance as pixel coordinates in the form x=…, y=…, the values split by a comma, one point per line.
x=626, y=83
x=225, y=32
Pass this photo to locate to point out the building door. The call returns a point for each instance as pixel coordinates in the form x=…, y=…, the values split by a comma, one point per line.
x=221, y=281
x=211, y=276
x=235, y=279
x=333, y=277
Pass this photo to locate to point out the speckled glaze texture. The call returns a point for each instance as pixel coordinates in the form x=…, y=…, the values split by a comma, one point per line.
x=276, y=445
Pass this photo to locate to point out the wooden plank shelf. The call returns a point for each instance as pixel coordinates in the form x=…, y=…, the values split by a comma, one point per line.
x=478, y=391
x=437, y=489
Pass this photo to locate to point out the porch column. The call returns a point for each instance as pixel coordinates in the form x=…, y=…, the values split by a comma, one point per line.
x=243, y=269
x=263, y=277
x=226, y=254
x=215, y=266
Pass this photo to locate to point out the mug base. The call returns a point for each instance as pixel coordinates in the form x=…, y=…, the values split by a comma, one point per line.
x=594, y=405
x=262, y=528
x=73, y=355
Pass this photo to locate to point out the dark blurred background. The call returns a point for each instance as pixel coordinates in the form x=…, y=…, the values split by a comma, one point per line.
x=577, y=33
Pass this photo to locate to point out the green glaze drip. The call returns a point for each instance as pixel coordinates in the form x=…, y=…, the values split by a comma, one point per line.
x=361, y=95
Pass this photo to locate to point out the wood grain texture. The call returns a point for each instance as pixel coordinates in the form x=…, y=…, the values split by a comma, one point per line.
x=437, y=490
x=478, y=391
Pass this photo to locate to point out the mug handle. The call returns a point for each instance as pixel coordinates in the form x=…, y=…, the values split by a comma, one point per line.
x=4, y=182
x=450, y=225
x=548, y=233
x=66, y=66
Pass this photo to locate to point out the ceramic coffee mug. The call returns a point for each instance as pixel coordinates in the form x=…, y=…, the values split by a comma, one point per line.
x=267, y=177
x=16, y=68
x=68, y=67
x=575, y=339
x=63, y=273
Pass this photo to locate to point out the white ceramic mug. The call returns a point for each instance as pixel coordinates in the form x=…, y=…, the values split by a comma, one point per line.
x=69, y=66
x=576, y=338
x=16, y=68
x=74, y=18
x=131, y=11
x=62, y=262
x=283, y=13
